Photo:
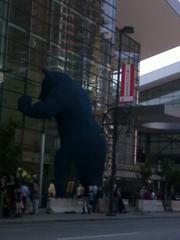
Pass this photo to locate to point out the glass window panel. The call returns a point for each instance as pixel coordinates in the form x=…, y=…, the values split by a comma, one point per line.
x=3, y=7
x=108, y=9
x=75, y=59
x=16, y=67
x=40, y=11
x=33, y=89
x=34, y=73
x=40, y=28
x=93, y=9
x=89, y=66
x=44, y=3
x=108, y=23
x=59, y=16
x=78, y=5
x=18, y=50
x=112, y=2
x=3, y=12
x=23, y=5
x=32, y=141
x=13, y=83
x=39, y=44
x=58, y=52
x=20, y=18
x=58, y=37
x=33, y=123
x=38, y=58
x=10, y=99
x=51, y=144
x=57, y=57
x=75, y=33
x=2, y=40
x=18, y=35
x=7, y=114
x=51, y=127
x=56, y=64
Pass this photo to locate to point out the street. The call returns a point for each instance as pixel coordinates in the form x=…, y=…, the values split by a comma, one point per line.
x=124, y=229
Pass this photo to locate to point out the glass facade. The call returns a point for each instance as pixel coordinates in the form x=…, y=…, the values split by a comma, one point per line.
x=126, y=51
x=168, y=93
x=74, y=36
x=161, y=145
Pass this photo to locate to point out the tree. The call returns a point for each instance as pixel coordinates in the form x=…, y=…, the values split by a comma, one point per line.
x=10, y=150
x=175, y=180
x=165, y=171
x=146, y=172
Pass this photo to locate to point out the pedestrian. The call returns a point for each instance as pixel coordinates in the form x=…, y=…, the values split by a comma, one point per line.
x=153, y=195
x=35, y=197
x=116, y=198
x=80, y=193
x=18, y=201
x=92, y=196
x=80, y=190
x=52, y=189
x=122, y=208
x=51, y=194
x=25, y=195
x=70, y=188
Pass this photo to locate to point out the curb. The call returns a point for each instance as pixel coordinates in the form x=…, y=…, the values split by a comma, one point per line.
x=110, y=218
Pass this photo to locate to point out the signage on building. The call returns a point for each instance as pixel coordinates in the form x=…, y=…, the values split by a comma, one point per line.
x=127, y=83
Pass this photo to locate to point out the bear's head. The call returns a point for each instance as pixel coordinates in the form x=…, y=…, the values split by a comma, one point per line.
x=51, y=81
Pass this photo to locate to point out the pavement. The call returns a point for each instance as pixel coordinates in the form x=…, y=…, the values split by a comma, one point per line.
x=43, y=217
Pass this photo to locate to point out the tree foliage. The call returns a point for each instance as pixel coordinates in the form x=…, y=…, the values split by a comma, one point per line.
x=146, y=171
x=166, y=168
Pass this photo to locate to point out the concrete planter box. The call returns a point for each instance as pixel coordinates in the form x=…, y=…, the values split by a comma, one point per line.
x=62, y=205
x=150, y=205
x=103, y=204
x=175, y=206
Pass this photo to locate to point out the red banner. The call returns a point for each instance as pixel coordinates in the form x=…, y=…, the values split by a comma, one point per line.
x=127, y=83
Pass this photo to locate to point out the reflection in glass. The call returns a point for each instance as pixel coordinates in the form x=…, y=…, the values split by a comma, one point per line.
x=74, y=36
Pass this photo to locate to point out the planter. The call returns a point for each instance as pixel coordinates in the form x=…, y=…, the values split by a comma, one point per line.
x=175, y=205
x=150, y=205
x=65, y=205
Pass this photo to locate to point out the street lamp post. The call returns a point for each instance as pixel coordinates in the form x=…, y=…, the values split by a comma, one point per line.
x=126, y=29
x=43, y=138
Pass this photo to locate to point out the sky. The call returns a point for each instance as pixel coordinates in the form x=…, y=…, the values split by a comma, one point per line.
x=160, y=60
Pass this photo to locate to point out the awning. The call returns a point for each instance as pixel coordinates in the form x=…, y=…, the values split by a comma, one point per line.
x=156, y=24
x=154, y=118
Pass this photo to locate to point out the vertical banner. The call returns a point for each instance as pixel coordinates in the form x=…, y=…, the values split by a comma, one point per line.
x=127, y=83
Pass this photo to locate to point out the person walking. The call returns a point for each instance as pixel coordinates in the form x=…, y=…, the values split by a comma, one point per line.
x=80, y=193
x=18, y=201
x=92, y=196
x=51, y=194
x=25, y=195
x=35, y=197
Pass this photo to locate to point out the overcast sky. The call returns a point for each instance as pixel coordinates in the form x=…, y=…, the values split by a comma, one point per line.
x=160, y=60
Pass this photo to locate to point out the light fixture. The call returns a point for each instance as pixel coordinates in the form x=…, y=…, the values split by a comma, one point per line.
x=127, y=29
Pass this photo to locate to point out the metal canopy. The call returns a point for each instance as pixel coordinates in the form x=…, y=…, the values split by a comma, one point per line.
x=156, y=24
x=154, y=118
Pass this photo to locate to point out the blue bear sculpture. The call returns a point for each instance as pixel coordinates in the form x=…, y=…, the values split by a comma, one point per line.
x=82, y=143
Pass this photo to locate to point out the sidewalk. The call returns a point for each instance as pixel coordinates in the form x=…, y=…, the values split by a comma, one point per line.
x=43, y=217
